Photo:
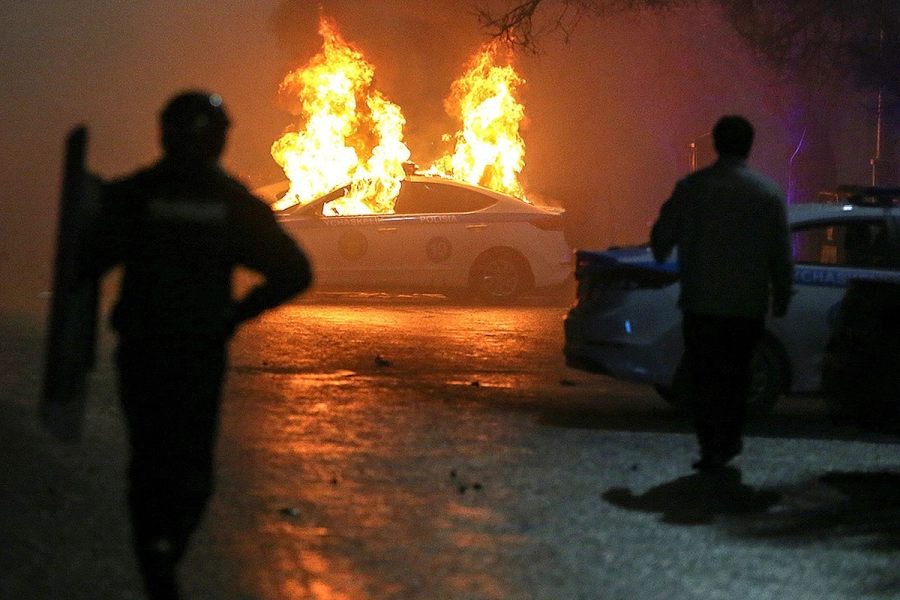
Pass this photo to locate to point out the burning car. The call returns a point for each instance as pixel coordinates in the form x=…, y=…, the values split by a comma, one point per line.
x=441, y=235
x=625, y=322
x=369, y=222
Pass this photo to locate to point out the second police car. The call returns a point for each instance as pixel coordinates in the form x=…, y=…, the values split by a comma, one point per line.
x=625, y=321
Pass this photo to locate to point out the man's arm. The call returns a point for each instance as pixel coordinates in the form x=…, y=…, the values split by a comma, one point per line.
x=781, y=263
x=272, y=253
x=664, y=235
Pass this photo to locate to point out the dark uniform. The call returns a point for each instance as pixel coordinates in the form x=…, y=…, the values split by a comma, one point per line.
x=179, y=229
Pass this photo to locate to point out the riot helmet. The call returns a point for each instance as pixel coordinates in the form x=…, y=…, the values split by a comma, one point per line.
x=194, y=125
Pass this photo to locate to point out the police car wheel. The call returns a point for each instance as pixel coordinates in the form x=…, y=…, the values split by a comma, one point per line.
x=768, y=376
x=500, y=275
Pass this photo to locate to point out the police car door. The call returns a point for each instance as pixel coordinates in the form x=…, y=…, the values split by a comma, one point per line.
x=437, y=221
x=346, y=251
x=828, y=255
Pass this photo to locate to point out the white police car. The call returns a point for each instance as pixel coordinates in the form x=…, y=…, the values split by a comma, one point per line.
x=442, y=236
x=625, y=322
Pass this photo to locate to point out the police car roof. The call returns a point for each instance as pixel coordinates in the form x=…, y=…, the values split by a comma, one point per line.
x=818, y=211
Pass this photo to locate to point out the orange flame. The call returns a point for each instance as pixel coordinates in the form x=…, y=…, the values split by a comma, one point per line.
x=351, y=133
x=489, y=151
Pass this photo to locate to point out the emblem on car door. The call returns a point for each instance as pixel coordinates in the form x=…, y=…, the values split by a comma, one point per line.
x=438, y=249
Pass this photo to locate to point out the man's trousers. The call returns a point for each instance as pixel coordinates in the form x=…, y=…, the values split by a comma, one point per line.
x=718, y=352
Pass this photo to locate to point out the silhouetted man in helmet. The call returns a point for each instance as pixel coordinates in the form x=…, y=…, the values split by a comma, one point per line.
x=734, y=256
x=180, y=228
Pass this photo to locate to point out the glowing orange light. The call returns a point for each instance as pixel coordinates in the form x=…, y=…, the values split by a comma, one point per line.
x=489, y=150
x=350, y=134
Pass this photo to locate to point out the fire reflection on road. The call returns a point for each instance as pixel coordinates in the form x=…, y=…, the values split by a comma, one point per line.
x=363, y=478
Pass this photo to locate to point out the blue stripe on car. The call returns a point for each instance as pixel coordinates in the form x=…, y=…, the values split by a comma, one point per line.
x=839, y=276
x=809, y=275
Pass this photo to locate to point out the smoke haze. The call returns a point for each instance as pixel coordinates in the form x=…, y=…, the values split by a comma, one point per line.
x=610, y=115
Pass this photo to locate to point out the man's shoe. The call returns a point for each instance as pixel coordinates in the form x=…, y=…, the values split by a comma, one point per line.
x=718, y=458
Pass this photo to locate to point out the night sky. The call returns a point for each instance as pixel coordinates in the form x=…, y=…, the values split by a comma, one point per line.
x=610, y=113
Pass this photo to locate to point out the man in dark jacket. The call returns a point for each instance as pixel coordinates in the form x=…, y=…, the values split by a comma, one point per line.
x=730, y=226
x=179, y=229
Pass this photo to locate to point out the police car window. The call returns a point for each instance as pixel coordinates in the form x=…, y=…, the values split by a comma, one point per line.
x=858, y=244
x=423, y=197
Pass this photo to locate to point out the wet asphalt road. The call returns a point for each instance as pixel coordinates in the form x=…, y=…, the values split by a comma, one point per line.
x=379, y=447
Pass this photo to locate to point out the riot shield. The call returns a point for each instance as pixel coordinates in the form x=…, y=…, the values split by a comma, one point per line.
x=72, y=322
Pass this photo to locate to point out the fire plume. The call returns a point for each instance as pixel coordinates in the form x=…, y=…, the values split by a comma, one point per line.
x=489, y=150
x=350, y=133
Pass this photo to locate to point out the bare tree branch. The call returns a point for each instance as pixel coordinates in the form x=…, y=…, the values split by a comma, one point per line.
x=514, y=26
x=812, y=39
x=519, y=25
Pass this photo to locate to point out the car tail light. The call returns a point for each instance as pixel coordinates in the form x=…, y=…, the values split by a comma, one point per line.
x=581, y=267
x=599, y=294
x=606, y=288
